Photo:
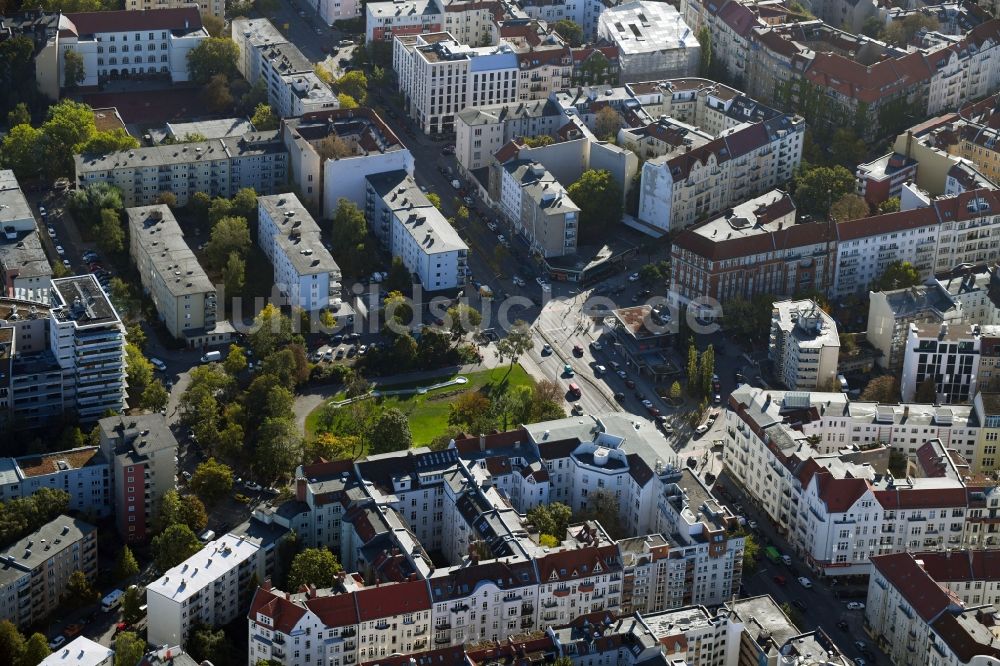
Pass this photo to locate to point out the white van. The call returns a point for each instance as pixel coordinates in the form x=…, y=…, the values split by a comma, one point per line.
x=212, y=357
x=207, y=536
x=158, y=364
x=112, y=601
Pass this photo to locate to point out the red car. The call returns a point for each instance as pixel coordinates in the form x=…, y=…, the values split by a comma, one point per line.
x=577, y=350
x=653, y=411
x=629, y=383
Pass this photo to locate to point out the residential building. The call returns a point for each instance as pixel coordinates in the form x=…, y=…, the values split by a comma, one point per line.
x=987, y=406
x=411, y=228
x=472, y=22
x=643, y=333
x=539, y=208
x=290, y=239
x=24, y=269
x=585, y=13
x=804, y=346
x=765, y=631
x=890, y=314
x=883, y=178
x=331, y=153
x=43, y=29
x=131, y=44
x=81, y=651
x=82, y=472
x=480, y=76
x=975, y=290
x=141, y=454
x=947, y=356
x=220, y=167
x=755, y=248
x=181, y=291
x=87, y=338
x=652, y=40
x=386, y=20
x=293, y=88
x=331, y=11
x=35, y=570
x=216, y=8
x=482, y=130
x=211, y=587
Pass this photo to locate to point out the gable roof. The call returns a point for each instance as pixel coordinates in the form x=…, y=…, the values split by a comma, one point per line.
x=927, y=598
x=178, y=18
x=395, y=599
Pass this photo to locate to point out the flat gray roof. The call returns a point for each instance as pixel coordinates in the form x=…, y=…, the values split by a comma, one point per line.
x=256, y=143
x=422, y=220
x=13, y=206
x=39, y=546
x=25, y=255
x=158, y=234
x=81, y=299
x=298, y=234
x=211, y=129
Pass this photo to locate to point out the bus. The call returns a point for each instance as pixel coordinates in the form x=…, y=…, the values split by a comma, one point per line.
x=575, y=391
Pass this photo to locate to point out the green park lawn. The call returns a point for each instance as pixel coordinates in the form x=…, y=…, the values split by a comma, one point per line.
x=428, y=413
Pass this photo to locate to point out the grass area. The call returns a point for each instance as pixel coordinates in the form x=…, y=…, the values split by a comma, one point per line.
x=428, y=413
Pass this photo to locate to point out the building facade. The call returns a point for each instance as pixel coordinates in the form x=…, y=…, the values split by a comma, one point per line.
x=948, y=357
x=804, y=346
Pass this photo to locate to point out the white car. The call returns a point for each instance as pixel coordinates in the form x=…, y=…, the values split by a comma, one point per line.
x=501, y=238
x=51, y=230
x=805, y=582
x=855, y=605
x=546, y=349
x=596, y=345
x=702, y=429
x=254, y=486
x=622, y=374
x=518, y=282
x=634, y=277
x=647, y=404
x=60, y=251
x=66, y=264
x=541, y=281
x=600, y=370
x=57, y=642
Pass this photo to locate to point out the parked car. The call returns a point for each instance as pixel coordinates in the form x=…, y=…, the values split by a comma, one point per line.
x=780, y=580
x=805, y=582
x=855, y=605
x=51, y=230
x=801, y=605
x=60, y=251
x=622, y=374
x=634, y=277
x=596, y=345
x=57, y=642
x=701, y=430
x=491, y=226
x=577, y=350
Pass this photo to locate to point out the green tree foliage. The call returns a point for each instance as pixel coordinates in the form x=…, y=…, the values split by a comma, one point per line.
x=17, y=73
x=264, y=118
x=79, y=592
x=108, y=142
x=236, y=360
x=212, y=57
x=569, y=31
x=138, y=369
x=391, y=432
x=69, y=125
x=434, y=199
x=131, y=602
x=11, y=643
x=607, y=123
x=463, y=318
x=749, y=319
x=23, y=515
x=603, y=507
x=846, y=148
x=211, y=481
x=675, y=391
x=706, y=368
x=313, y=566
x=129, y=649
x=154, y=397
x=693, y=380
x=176, y=509
x=470, y=411
x=86, y=204
x=900, y=33
x=515, y=344
x=272, y=330
x=890, y=205
x=354, y=84
x=552, y=519
x=229, y=235
x=348, y=234
x=174, y=545
x=884, y=389
x=36, y=649
x=751, y=549
x=816, y=188
x=74, y=72
x=599, y=197
x=399, y=278
x=127, y=566
x=849, y=207
x=346, y=101
x=897, y=275
x=205, y=644
x=110, y=232
x=19, y=115
x=245, y=205
x=650, y=274
x=705, y=41
x=279, y=449
x=234, y=274
x=538, y=141
x=21, y=151
x=216, y=95
x=213, y=24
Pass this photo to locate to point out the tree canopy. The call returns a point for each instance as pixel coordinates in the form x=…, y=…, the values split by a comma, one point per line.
x=570, y=31
x=313, y=566
x=897, y=275
x=174, y=545
x=599, y=197
x=816, y=188
x=212, y=57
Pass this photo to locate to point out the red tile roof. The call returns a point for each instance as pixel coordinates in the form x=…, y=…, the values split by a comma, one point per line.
x=927, y=598
x=738, y=17
x=920, y=498
x=394, y=599
x=502, y=440
x=887, y=223
x=453, y=655
x=577, y=563
x=335, y=610
x=283, y=612
x=179, y=18
x=961, y=565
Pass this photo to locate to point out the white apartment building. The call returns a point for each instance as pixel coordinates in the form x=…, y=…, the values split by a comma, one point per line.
x=539, y=208
x=81, y=651
x=387, y=20
x=652, y=39
x=290, y=239
x=975, y=291
x=890, y=314
x=481, y=131
x=439, y=77
x=35, y=570
x=293, y=88
x=83, y=473
x=87, y=338
x=24, y=267
x=209, y=587
x=949, y=355
x=220, y=167
x=184, y=297
x=804, y=346
x=411, y=228
x=131, y=44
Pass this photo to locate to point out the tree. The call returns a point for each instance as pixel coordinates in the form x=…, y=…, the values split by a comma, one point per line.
x=538, y=141
x=332, y=147
x=272, y=329
x=872, y=26
x=74, y=72
x=219, y=208
x=79, y=592
x=399, y=278
x=599, y=197
x=313, y=566
x=111, y=141
x=129, y=649
x=463, y=318
x=234, y=274
x=11, y=643
x=348, y=233
x=131, y=603
x=279, y=448
x=890, y=205
x=355, y=84
x=846, y=148
x=110, y=233
x=391, y=432
x=900, y=33
x=675, y=391
x=213, y=25
x=470, y=411
x=127, y=566
x=379, y=76
x=174, y=545
x=607, y=123
x=19, y=115
x=36, y=649
x=705, y=41
x=204, y=644
x=236, y=360
x=650, y=273
x=603, y=507
x=514, y=345
x=17, y=71
x=816, y=188
x=707, y=368
x=849, y=207
x=21, y=151
x=215, y=56
x=751, y=549
x=897, y=275
x=693, y=378
x=884, y=389
x=569, y=31
x=212, y=481
x=229, y=235
x=216, y=94
x=181, y=510
x=69, y=126
x=346, y=101
x=167, y=198
x=898, y=463
x=434, y=199
x=926, y=392
x=264, y=118
x=138, y=370
x=155, y=397
x=551, y=519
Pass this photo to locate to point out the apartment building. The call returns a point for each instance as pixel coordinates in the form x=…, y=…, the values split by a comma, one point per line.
x=538, y=208
x=890, y=314
x=975, y=290
x=754, y=248
x=585, y=13
x=934, y=603
x=987, y=408
x=216, y=8
x=184, y=296
x=24, y=268
x=220, y=168
x=331, y=11
x=293, y=88
x=483, y=130
x=652, y=41
x=31, y=380
x=883, y=178
x=81, y=651
x=140, y=452
x=804, y=346
x=386, y=20
x=211, y=587
x=131, y=44
x=331, y=153
x=411, y=228
x=83, y=473
x=35, y=570
x=439, y=77
x=949, y=356
x=838, y=509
